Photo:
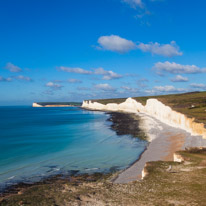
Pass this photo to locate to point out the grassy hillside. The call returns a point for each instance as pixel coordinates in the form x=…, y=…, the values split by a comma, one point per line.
x=192, y=104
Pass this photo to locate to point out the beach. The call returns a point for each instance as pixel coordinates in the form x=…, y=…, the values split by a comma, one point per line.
x=165, y=141
x=166, y=129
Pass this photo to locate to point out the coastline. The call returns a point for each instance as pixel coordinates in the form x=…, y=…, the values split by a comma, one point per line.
x=164, y=141
x=92, y=189
x=123, y=119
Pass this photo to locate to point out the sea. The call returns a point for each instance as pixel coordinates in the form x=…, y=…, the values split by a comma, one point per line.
x=37, y=143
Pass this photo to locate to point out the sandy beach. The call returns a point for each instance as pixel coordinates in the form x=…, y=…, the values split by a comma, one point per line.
x=164, y=142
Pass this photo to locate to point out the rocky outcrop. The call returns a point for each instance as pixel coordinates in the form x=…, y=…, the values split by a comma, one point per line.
x=153, y=108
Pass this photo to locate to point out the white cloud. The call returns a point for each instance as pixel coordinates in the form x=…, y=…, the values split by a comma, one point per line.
x=74, y=81
x=8, y=79
x=180, y=78
x=134, y=3
x=104, y=87
x=165, y=89
x=100, y=71
x=175, y=68
x=168, y=88
x=21, y=77
x=129, y=89
x=107, y=75
x=115, y=43
x=13, y=68
x=74, y=70
x=198, y=86
x=54, y=85
x=118, y=44
x=167, y=50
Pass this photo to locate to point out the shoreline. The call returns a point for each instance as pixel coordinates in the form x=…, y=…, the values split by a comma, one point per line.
x=164, y=141
x=162, y=147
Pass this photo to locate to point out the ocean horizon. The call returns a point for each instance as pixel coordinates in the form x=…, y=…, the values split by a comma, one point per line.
x=37, y=143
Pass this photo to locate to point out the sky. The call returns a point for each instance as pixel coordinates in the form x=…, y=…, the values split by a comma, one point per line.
x=72, y=50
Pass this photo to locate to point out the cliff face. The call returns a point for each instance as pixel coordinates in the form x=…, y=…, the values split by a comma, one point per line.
x=153, y=108
x=36, y=105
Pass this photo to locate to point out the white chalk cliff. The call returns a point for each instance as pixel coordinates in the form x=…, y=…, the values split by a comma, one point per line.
x=36, y=105
x=155, y=109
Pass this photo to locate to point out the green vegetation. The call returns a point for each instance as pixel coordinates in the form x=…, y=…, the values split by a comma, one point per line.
x=192, y=104
x=168, y=183
x=60, y=103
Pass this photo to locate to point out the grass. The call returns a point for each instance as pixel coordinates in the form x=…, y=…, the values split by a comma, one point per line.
x=192, y=104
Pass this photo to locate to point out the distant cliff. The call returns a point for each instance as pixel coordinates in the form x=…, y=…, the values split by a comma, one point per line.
x=56, y=104
x=36, y=105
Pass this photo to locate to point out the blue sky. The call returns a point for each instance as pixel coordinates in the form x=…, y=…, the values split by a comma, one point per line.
x=70, y=50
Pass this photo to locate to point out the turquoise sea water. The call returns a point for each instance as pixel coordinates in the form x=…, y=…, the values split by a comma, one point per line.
x=39, y=142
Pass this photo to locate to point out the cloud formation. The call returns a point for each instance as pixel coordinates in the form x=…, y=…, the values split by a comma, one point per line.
x=118, y=44
x=21, y=77
x=74, y=70
x=53, y=85
x=12, y=68
x=198, y=86
x=115, y=43
x=129, y=89
x=165, y=89
x=104, y=87
x=107, y=75
x=3, y=79
x=175, y=68
x=134, y=3
x=168, y=88
x=74, y=81
x=179, y=78
x=167, y=50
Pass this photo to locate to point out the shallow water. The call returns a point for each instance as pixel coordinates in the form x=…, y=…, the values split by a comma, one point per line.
x=39, y=142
